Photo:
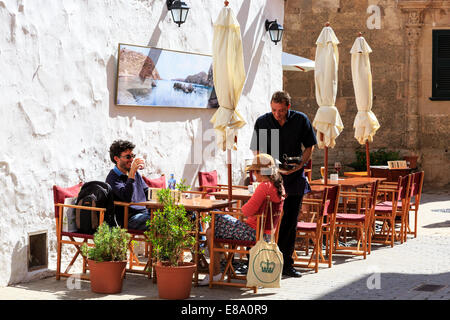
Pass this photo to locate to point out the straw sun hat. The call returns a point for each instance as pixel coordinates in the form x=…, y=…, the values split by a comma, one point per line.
x=264, y=163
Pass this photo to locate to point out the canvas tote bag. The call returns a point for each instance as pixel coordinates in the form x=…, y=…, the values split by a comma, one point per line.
x=266, y=261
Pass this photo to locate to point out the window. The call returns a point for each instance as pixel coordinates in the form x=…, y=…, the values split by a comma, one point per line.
x=441, y=65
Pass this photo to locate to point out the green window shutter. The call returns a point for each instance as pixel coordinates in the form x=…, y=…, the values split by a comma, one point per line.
x=441, y=63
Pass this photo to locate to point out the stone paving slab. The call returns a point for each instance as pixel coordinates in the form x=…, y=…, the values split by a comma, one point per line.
x=387, y=274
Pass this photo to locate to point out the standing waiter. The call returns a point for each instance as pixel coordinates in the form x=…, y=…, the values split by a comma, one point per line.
x=278, y=133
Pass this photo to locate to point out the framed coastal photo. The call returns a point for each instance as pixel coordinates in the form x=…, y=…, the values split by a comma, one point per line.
x=153, y=77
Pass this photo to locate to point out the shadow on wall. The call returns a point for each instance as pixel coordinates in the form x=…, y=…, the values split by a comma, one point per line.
x=254, y=37
x=387, y=286
x=19, y=266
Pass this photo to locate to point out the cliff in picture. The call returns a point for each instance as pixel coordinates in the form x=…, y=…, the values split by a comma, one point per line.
x=164, y=78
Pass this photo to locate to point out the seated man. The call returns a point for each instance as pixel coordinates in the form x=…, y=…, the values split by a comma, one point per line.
x=127, y=184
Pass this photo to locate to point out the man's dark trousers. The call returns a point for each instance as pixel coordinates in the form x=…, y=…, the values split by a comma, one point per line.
x=288, y=227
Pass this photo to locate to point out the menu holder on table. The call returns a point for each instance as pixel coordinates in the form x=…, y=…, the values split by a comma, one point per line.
x=401, y=164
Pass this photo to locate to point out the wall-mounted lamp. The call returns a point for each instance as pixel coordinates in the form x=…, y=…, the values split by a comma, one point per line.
x=275, y=30
x=179, y=10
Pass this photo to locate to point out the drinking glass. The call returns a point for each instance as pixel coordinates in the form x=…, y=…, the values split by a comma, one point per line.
x=337, y=167
x=322, y=171
x=196, y=198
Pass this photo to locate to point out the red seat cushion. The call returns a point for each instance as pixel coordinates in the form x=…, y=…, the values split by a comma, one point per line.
x=208, y=179
x=389, y=203
x=309, y=225
x=135, y=232
x=77, y=235
x=383, y=208
x=60, y=194
x=155, y=183
x=350, y=217
x=236, y=242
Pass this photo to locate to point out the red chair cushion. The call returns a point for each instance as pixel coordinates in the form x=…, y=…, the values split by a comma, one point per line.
x=306, y=225
x=77, y=235
x=155, y=183
x=350, y=217
x=383, y=208
x=136, y=232
x=60, y=194
x=208, y=179
x=389, y=204
x=236, y=242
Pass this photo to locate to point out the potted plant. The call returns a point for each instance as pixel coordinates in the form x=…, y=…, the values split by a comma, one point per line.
x=377, y=157
x=108, y=259
x=170, y=232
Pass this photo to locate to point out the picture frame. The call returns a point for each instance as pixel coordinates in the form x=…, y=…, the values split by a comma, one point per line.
x=155, y=77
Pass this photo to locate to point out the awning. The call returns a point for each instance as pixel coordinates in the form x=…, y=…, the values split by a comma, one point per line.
x=292, y=62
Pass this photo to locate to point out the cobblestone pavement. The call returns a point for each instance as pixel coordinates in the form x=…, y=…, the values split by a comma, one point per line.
x=387, y=274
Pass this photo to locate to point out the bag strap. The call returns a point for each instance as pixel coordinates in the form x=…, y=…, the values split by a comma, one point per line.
x=261, y=228
x=94, y=216
x=272, y=235
x=77, y=218
x=263, y=224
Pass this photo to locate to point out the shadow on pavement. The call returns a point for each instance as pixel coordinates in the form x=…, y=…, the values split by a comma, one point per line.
x=135, y=287
x=445, y=224
x=388, y=286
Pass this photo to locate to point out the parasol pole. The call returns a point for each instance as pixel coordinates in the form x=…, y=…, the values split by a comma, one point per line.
x=229, y=175
x=325, y=174
x=367, y=158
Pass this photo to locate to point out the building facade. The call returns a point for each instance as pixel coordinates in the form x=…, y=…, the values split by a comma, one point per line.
x=405, y=65
x=59, y=67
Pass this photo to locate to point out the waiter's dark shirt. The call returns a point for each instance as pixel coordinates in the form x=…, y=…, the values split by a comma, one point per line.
x=296, y=132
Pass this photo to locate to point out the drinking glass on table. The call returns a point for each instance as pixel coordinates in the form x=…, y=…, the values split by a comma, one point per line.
x=337, y=167
x=322, y=172
x=196, y=198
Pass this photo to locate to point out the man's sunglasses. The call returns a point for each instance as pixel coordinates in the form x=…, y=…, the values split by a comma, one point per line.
x=129, y=156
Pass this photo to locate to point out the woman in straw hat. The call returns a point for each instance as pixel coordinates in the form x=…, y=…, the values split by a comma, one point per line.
x=228, y=227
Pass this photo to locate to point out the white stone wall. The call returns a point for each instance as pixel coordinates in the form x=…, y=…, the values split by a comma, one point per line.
x=58, y=61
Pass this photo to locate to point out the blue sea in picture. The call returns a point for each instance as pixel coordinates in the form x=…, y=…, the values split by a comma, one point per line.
x=162, y=93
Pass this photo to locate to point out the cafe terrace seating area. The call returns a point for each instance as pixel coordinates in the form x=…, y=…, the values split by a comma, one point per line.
x=345, y=217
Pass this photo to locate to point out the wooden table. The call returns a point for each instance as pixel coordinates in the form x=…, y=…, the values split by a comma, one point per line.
x=356, y=174
x=236, y=194
x=348, y=183
x=391, y=175
x=199, y=206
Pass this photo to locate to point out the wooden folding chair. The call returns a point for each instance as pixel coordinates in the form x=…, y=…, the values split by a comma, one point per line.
x=362, y=221
x=314, y=231
x=134, y=264
x=308, y=169
x=392, y=212
x=230, y=247
x=416, y=194
x=71, y=238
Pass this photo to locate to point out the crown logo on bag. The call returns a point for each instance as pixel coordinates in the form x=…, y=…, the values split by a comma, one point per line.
x=267, y=266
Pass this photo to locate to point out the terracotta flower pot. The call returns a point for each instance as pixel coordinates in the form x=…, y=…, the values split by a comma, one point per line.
x=107, y=276
x=174, y=282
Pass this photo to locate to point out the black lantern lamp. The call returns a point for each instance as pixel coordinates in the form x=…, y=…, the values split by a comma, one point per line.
x=179, y=10
x=275, y=30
